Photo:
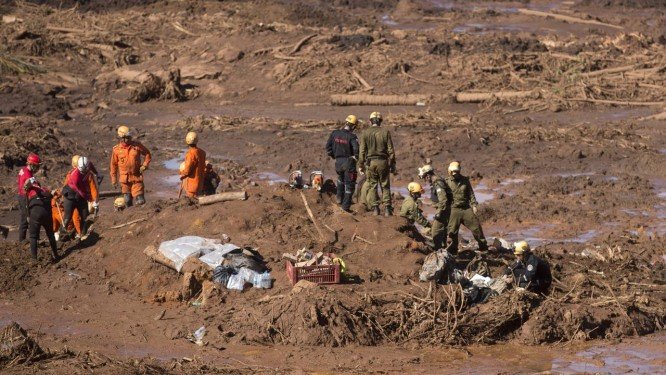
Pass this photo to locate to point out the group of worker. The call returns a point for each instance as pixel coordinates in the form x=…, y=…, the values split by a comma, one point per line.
x=452, y=196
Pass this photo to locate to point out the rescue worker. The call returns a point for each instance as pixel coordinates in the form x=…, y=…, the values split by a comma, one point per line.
x=127, y=167
x=376, y=150
x=77, y=194
x=529, y=271
x=441, y=199
x=463, y=209
x=25, y=173
x=194, y=168
x=58, y=218
x=39, y=208
x=410, y=209
x=342, y=145
x=92, y=179
x=211, y=179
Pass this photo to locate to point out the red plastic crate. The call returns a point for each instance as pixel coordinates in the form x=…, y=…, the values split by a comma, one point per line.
x=317, y=274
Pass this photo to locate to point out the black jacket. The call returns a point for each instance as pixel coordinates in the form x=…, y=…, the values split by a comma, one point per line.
x=342, y=145
x=533, y=275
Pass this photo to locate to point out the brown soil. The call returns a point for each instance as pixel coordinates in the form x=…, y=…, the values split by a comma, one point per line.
x=583, y=182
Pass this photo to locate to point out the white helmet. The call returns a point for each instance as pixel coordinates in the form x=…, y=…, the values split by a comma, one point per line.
x=82, y=164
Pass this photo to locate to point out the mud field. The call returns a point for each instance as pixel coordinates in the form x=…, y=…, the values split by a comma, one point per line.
x=554, y=108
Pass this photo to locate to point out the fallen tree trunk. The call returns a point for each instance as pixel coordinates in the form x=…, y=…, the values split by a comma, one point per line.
x=562, y=17
x=154, y=254
x=477, y=97
x=409, y=99
x=617, y=102
x=222, y=197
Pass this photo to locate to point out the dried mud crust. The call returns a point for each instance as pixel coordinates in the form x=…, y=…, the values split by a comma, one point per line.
x=25, y=99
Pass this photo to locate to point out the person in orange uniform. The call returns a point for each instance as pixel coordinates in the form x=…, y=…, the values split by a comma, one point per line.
x=193, y=170
x=92, y=179
x=127, y=167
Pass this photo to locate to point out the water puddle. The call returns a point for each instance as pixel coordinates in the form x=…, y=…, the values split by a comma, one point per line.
x=486, y=28
x=271, y=177
x=174, y=163
x=535, y=235
x=574, y=174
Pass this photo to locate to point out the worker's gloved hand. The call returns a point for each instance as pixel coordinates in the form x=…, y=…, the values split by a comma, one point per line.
x=427, y=231
x=475, y=209
x=142, y=169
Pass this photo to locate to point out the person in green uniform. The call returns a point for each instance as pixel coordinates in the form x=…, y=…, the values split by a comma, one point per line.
x=410, y=207
x=377, y=151
x=440, y=194
x=463, y=209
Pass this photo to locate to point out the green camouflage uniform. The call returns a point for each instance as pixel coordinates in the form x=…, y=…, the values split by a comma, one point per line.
x=410, y=210
x=463, y=200
x=441, y=199
x=377, y=152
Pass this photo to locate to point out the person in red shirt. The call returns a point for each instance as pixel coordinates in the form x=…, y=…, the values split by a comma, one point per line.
x=25, y=174
x=77, y=194
x=38, y=207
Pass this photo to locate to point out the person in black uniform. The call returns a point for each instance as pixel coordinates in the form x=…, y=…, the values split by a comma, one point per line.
x=39, y=212
x=343, y=146
x=529, y=271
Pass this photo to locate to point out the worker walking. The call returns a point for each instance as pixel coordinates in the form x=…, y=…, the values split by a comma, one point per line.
x=463, y=209
x=194, y=168
x=342, y=145
x=25, y=174
x=441, y=197
x=377, y=159
x=127, y=167
x=38, y=208
x=410, y=209
x=76, y=193
x=211, y=179
x=529, y=271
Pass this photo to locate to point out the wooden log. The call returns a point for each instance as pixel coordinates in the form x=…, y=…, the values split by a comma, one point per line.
x=562, y=17
x=300, y=43
x=109, y=193
x=154, y=254
x=477, y=97
x=617, y=102
x=222, y=197
x=619, y=69
x=409, y=99
x=362, y=81
x=9, y=207
x=659, y=116
x=322, y=237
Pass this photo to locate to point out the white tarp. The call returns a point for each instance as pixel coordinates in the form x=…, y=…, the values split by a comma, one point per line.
x=180, y=249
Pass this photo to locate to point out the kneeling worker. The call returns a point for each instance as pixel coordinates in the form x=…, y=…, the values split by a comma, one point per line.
x=194, y=168
x=410, y=207
x=529, y=271
x=211, y=180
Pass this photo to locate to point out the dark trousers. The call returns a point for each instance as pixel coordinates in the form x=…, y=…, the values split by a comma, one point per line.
x=23, y=217
x=80, y=205
x=40, y=217
x=346, y=170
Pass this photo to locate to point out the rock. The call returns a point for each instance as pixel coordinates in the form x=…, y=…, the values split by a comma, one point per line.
x=303, y=285
x=230, y=54
x=399, y=34
x=209, y=292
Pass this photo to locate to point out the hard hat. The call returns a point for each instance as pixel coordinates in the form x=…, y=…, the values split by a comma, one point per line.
x=415, y=187
x=75, y=161
x=208, y=162
x=124, y=131
x=181, y=167
x=33, y=159
x=423, y=171
x=454, y=166
x=82, y=163
x=191, y=138
x=376, y=115
x=351, y=119
x=520, y=248
x=119, y=202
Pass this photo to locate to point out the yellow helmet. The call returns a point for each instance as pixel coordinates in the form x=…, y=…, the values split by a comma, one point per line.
x=124, y=131
x=415, y=187
x=75, y=161
x=119, y=203
x=191, y=138
x=454, y=166
x=521, y=247
x=423, y=171
x=376, y=115
x=351, y=119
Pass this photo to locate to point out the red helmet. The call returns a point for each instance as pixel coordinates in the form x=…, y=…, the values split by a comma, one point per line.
x=34, y=159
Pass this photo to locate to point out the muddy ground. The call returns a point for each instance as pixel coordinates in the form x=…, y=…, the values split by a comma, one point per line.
x=577, y=167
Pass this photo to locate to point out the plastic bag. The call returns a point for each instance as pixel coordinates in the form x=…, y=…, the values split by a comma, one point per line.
x=247, y=274
x=221, y=274
x=434, y=266
x=180, y=249
x=217, y=256
x=236, y=282
x=262, y=281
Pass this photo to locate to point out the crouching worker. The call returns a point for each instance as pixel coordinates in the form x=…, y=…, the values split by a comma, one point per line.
x=211, y=179
x=77, y=194
x=58, y=217
x=39, y=210
x=410, y=207
x=529, y=271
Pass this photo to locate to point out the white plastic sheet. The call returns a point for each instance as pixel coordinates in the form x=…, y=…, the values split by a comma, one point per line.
x=180, y=249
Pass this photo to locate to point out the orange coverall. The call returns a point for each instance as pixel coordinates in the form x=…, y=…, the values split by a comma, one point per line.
x=194, y=172
x=58, y=209
x=125, y=164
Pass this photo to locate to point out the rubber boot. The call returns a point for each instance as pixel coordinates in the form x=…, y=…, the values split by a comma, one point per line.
x=376, y=209
x=389, y=211
x=128, y=199
x=140, y=200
